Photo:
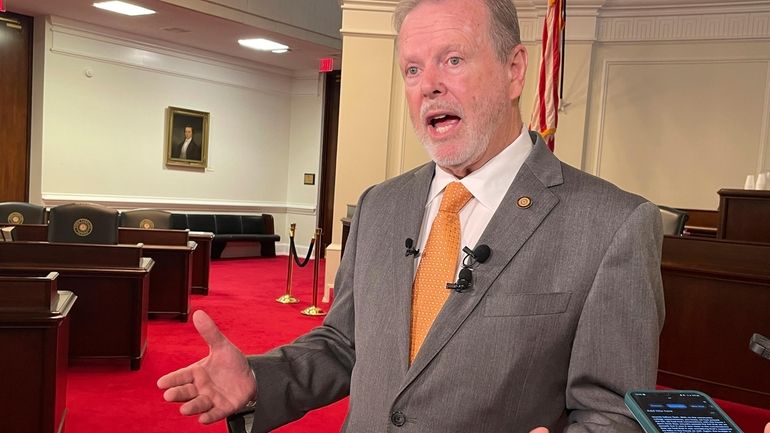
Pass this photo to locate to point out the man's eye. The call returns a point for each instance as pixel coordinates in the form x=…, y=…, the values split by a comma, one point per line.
x=454, y=61
x=412, y=70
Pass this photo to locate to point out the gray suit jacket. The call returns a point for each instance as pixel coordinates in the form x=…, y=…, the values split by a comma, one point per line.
x=562, y=320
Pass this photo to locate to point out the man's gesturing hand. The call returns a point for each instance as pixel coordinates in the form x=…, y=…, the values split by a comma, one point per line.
x=217, y=385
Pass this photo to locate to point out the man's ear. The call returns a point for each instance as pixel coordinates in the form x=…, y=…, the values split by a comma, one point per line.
x=517, y=70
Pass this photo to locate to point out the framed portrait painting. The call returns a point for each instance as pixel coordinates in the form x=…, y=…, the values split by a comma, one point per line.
x=187, y=142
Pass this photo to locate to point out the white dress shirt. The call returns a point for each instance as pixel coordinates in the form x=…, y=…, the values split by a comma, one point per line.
x=488, y=185
x=183, y=152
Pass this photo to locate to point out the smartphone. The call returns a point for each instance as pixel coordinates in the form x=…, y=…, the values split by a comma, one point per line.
x=676, y=411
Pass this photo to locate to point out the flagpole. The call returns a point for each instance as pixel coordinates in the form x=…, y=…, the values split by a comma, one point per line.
x=563, y=14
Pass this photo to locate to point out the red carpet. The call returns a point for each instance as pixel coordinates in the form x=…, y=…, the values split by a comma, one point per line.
x=105, y=396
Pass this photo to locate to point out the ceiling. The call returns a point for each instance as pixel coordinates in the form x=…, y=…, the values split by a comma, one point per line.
x=309, y=27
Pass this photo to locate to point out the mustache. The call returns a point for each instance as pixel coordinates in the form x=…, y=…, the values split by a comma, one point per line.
x=429, y=106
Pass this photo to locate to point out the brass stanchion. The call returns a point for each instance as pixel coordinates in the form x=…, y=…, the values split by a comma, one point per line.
x=287, y=298
x=313, y=310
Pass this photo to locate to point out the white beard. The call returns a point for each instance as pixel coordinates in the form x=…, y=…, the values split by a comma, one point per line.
x=477, y=137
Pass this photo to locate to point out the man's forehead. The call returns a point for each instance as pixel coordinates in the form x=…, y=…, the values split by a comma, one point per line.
x=435, y=44
x=440, y=27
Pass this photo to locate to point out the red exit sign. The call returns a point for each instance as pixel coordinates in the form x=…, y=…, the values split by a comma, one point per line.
x=326, y=64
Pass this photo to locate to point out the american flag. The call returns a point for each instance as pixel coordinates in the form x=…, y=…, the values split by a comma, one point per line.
x=545, y=113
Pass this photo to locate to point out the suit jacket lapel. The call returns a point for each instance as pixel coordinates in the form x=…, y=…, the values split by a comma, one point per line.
x=505, y=234
x=415, y=194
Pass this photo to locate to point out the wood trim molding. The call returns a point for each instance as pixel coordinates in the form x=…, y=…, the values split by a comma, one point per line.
x=180, y=204
x=703, y=26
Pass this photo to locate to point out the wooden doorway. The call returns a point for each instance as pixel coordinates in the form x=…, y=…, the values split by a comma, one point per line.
x=15, y=94
x=329, y=157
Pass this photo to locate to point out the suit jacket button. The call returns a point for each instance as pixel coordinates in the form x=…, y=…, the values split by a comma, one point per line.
x=397, y=418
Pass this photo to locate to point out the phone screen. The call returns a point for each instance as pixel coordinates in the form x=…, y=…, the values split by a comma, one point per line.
x=682, y=412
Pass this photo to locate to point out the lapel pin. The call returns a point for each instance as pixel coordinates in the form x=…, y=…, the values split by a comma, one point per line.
x=524, y=202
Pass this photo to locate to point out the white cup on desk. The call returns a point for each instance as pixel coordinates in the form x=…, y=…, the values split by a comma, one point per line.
x=749, y=182
x=761, y=181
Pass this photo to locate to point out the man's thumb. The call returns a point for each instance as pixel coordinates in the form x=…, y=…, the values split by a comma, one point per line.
x=208, y=329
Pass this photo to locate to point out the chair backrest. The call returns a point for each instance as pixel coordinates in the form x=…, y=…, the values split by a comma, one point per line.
x=201, y=223
x=146, y=219
x=16, y=212
x=83, y=223
x=228, y=224
x=179, y=221
x=673, y=220
x=254, y=224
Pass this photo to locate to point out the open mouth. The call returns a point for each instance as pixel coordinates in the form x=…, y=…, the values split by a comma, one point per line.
x=443, y=122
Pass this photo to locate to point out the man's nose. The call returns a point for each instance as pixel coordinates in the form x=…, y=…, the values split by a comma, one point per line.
x=432, y=83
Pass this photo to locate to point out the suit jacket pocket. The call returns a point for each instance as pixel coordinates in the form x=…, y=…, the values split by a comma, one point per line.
x=526, y=304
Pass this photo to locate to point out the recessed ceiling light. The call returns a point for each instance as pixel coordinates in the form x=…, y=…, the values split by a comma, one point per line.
x=124, y=8
x=264, y=45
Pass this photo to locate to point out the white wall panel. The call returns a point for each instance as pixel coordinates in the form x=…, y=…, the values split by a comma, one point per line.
x=676, y=130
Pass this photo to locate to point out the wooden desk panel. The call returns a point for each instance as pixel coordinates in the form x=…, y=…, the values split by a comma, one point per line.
x=717, y=295
x=33, y=388
x=111, y=282
x=201, y=262
x=703, y=223
x=29, y=232
x=128, y=235
x=744, y=215
x=171, y=278
x=92, y=256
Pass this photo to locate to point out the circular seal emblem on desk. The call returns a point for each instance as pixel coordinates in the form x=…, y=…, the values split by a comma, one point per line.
x=83, y=227
x=146, y=224
x=15, y=218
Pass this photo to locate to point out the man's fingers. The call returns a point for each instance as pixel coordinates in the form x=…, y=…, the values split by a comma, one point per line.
x=181, y=393
x=198, y=405
x=176, y=378
x=208, y=329
x=211, y=416
x=204, y=406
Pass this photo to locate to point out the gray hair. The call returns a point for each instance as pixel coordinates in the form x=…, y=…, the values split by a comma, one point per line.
x=503, y=26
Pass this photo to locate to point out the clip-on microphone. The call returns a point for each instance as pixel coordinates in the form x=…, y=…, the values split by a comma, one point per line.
x=409, y=243
x=465, y=278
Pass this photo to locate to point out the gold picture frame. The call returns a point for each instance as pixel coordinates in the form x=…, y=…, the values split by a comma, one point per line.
x=179, y=123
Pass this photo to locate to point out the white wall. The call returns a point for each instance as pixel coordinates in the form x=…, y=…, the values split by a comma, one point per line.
x=677, y=122
x=305, y=143
x=102, y=138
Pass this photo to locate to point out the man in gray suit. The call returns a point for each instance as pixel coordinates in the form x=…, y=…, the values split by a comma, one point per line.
x=557, y=324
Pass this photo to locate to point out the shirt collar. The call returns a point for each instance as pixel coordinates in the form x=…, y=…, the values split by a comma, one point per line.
x=489, y=183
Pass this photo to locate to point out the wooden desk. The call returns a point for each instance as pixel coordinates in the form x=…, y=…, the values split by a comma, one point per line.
x=34, y=366
x=744, y=215
x=111, y=282
x=171, y=277
x=201, y=262
x=29, y=232
x=701, y=223
x=717, y=295
x=201, y=255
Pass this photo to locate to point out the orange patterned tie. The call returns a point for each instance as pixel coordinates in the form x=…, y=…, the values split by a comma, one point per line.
x=438, y=264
